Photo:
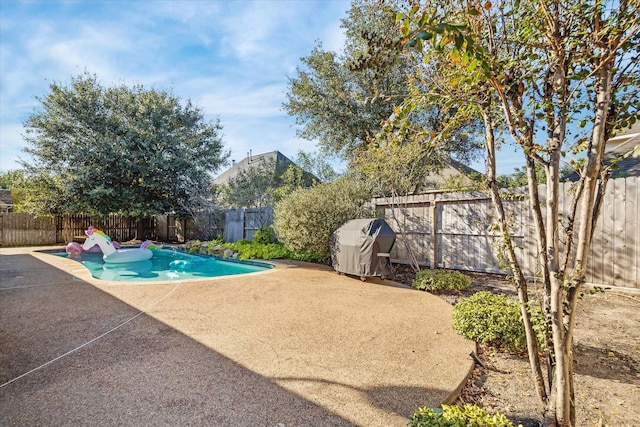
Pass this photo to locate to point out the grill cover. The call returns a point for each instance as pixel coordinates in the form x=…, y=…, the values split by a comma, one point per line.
x=356, y=245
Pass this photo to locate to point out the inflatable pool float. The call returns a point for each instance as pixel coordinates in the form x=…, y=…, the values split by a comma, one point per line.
x=110, y=253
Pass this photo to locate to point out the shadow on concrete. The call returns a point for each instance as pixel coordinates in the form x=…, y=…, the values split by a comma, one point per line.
x=395, y=399
x=142, y=373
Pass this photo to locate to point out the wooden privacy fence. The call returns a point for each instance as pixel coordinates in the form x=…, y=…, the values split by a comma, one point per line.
x=18, y=229
x=456, y=230
x=120, y=229
x=243, y=223
x=29, y=230
x=25, y=230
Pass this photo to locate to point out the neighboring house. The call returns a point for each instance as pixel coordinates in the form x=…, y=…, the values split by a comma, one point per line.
x=624, y=141
x=276, y=158
x=453, y=170
x=618, y=146
x=6, y=202
x=280, y=161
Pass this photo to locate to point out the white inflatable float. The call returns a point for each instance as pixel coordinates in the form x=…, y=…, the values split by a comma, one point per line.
x=110, y=253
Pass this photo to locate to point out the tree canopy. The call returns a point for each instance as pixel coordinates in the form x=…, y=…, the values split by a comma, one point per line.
x=305, y=220
x=127, y=150
x=342, y=100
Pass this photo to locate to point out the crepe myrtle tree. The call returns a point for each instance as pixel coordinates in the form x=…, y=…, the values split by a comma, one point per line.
x=557, y=77
x=126, y=150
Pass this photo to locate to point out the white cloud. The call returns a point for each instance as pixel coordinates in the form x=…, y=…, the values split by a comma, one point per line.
x=247, y=101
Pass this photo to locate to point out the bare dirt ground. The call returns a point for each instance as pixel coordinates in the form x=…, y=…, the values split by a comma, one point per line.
x=606, y=356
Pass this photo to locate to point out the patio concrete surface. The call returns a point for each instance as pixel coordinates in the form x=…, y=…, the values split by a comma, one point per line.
x=298, y=345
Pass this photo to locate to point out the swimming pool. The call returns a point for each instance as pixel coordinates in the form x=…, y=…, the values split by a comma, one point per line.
x=166, y=264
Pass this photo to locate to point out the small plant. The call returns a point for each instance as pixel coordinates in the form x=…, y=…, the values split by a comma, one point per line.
x=263, y=236
x=194, y=246
x=251, y=250
x=495, y=320
x=441, y=280
x=491, y=319
x=456, y=416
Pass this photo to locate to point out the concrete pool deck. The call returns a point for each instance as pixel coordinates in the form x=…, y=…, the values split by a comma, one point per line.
x=297, y=345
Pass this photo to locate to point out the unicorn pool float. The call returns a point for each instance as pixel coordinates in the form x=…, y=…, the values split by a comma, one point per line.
x=113, y=255
x=75, y=248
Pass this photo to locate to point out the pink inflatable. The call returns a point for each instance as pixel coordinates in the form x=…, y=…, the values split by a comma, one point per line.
x=74, y=248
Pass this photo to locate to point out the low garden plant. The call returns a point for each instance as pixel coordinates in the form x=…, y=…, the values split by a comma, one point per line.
x=457, y=416
x=495, y=320
x=441, y=280
x=263, y=236
x=247, y=249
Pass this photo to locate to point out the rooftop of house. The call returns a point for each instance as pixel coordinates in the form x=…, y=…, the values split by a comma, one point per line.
x=629, y=165
x=280, y=161
x=5, y=197
x=628, y=137
x=616, y=149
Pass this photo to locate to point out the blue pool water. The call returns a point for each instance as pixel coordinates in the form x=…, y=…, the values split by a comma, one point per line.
x=165, y=264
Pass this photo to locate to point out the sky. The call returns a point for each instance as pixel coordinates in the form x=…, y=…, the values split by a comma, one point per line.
x=232, y=59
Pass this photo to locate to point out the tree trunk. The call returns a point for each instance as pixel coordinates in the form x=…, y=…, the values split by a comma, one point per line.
x=518, y=276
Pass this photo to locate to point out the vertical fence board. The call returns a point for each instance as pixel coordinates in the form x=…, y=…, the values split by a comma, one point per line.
x=629, y=229
x=619, y=252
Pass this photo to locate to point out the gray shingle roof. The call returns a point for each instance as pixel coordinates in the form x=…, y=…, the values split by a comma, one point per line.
x=280, y=160
x=5, y=197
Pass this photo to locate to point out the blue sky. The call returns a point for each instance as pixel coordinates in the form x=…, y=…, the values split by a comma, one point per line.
x=231, y=58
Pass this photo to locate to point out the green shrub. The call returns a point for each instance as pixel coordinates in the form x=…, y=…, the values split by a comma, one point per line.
x=194, y=246
x=456, y=416
x=441, y=280
x=263, y=236
x=492, y=319
x=251, y=250
x=305, y=219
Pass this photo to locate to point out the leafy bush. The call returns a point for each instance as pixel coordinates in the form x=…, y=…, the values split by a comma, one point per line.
x=456, y=416
x=252, y=250
x=492, y=319
x=263, y=236
x=194, y=246
x=441, y=280
x=305, y=220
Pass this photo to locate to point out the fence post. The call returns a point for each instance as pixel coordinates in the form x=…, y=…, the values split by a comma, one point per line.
x=433, y=212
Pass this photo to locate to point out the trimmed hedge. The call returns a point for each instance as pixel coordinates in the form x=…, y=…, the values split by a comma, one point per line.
x=491, y=319
x=441, y=280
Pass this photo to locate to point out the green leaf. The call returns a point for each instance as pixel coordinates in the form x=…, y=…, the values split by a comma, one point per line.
x=424, y=35
x=459, y=41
